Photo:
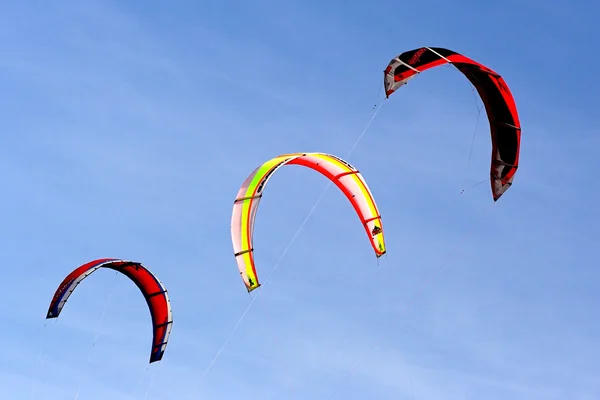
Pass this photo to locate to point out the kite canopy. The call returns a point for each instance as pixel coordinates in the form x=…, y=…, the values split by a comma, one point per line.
x=497, y=98
x=245, y=206
x=153, y=290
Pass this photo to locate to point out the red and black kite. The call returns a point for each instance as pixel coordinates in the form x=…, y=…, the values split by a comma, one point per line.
x=153, y=290
x=497, y=98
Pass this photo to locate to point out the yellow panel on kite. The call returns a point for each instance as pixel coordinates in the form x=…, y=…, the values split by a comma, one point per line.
x=345, y=177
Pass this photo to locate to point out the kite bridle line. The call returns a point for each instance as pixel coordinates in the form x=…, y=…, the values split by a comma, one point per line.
x=90, y=351
x=139, y=383
x=97, y=335
x=152, y=379
x=467, y=167
x=411, y=300
x=479, y=108
x=40, y=359
x=289, y=245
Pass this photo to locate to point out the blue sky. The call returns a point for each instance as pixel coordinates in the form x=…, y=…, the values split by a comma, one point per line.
x=127, y=128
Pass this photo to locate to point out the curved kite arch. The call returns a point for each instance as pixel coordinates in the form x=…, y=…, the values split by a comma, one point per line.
x=499, y=104
x=153, y=290
x=346, y=178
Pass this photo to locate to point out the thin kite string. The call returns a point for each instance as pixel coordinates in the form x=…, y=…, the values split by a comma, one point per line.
x=479, y=109
x=139, y=383
x=40, y=360
x=312, y=210
x=406, y=307
x=365, y=129
x=428, y=279
x=97, y=336
x=278, y=262
x=150, y=384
